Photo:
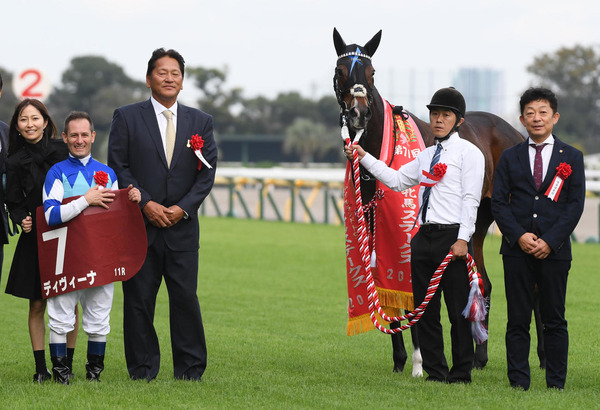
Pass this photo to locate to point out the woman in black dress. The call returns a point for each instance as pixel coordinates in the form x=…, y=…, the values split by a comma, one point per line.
x=32, y=150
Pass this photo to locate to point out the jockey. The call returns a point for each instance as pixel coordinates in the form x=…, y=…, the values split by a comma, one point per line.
x=78, y=175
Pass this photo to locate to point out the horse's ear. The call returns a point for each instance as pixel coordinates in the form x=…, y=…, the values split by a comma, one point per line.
x=340, y=45
x=372, y=44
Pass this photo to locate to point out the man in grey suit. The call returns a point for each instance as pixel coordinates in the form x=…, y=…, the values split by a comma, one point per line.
x=3, y=214
x=149, y=148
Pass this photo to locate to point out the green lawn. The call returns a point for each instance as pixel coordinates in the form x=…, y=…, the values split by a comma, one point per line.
x=273, y=297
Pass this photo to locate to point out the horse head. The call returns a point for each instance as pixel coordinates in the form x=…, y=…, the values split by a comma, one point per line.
x=353, y=81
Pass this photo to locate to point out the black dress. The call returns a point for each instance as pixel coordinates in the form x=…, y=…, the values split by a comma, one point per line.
x=25, y=175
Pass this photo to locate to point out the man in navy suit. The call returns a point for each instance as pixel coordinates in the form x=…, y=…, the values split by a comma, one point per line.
x=149, y=148
x=537, y=200
x=3, y=214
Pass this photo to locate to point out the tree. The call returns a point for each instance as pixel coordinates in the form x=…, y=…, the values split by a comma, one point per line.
x=97, y=86
x=574, y=75
x=309, y=140
x=215, y=100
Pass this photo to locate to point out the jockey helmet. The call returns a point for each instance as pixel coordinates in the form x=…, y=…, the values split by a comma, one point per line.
x=448, y=98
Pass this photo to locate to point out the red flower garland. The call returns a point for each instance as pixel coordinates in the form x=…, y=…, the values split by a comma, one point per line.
x=101, y=178
x=563, y=170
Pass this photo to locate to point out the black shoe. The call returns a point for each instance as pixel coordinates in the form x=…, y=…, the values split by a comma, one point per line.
x=94, y=367
x=191, y=378
x=60, y=370
x=460, y=381
x=42, y=377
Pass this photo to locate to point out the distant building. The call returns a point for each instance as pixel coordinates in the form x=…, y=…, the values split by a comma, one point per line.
x=482, y=88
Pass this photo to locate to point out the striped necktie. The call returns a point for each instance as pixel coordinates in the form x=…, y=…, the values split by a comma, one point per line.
x=427, y=190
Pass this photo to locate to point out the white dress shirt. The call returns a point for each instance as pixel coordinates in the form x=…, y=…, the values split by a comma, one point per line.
x=546, y=154
x=162, y=120
x=455, y=198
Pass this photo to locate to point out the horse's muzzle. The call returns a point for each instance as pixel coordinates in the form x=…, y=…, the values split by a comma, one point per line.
x=358, y=118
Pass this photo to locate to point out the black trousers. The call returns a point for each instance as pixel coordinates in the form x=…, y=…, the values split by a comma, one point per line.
x=428, y=250
x=142, y=352
x=521, y=274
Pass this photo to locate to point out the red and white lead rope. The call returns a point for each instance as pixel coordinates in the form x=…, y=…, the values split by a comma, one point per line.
x=475, y=310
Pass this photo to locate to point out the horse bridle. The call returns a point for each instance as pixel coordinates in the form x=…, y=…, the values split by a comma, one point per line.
x=357, y=86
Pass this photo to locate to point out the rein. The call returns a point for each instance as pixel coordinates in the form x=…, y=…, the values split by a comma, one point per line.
x=475, y=310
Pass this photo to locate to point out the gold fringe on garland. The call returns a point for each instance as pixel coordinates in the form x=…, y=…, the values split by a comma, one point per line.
x=395, y=299
x=394, y=303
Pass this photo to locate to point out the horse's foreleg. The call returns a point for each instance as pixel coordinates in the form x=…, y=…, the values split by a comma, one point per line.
x=484, y=220
x=399, y=350
x=539, y=328
x=416, y=356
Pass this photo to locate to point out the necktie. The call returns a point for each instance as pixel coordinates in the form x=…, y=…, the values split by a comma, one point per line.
x=538, y=167
x=427, y=190
x=169, y=135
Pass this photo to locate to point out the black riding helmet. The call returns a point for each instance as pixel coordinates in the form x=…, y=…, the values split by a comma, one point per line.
x=449, y=99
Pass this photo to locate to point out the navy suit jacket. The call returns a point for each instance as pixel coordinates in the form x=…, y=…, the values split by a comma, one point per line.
x=137, y=155
x=518, y=207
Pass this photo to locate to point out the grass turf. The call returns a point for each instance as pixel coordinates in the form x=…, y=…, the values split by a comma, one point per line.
x=273, y=297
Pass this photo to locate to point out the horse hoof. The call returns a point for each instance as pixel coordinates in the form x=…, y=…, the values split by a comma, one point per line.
x=479, y=364
x=417, y=372
x=398, y=368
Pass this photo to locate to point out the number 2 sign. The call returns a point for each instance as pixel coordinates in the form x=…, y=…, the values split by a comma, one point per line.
x=31, y=83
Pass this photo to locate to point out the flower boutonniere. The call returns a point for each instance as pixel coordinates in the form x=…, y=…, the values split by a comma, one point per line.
x=101, y=178
x=196, y=143
x=439, y=170
x=563, y=171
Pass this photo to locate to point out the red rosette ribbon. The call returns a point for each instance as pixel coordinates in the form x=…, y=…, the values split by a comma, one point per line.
x=439, y=170
x=101, y=178
x=196, y=143
x=563, y=171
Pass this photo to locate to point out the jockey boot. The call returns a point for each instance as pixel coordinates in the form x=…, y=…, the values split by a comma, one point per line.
x=94, y=367
x=60, y=370
x=70, y=353
x=42, y=377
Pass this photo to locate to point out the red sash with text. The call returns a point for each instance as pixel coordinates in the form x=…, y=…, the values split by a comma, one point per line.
x=395, y=214
x=97, y=247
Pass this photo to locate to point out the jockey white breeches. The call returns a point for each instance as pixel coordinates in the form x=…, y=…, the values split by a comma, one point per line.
x=96, y=303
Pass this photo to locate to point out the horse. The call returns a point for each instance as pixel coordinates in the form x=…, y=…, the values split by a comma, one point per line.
x=364, y=111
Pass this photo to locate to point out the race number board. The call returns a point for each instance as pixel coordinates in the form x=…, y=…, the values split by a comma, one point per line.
x=97, y=247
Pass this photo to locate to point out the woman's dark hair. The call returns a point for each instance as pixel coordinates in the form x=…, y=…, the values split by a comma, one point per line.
x=15, y=139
